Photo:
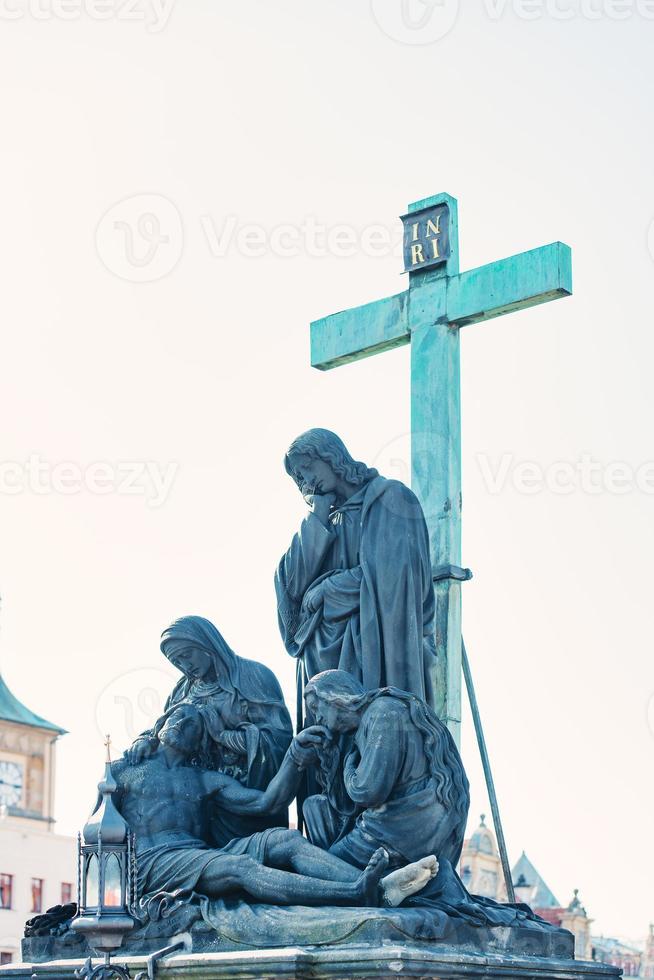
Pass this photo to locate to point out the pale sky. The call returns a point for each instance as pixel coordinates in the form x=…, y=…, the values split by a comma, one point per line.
x=175, y=346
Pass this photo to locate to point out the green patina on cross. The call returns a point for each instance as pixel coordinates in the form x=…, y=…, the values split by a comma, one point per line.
x=428, y=315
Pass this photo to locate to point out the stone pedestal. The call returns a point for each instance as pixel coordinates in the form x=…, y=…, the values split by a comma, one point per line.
x=425, y=960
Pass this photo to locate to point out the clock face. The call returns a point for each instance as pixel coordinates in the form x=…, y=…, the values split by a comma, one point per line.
x=11, y=783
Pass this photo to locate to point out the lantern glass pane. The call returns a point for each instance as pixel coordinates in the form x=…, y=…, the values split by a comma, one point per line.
x=112, y=896
x=91, y=893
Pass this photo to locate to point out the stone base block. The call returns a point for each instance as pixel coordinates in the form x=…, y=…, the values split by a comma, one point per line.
x=240, y=926
x=373, y=929
x=433, y=961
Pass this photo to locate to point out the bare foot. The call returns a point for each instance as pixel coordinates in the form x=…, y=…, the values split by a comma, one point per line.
x=406, y=881
x=369, y=882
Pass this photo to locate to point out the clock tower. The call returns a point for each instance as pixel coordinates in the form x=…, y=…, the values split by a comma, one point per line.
x=37, y=865
x=27, y=762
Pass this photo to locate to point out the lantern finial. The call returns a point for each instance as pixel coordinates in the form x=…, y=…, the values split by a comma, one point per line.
x=105, y=819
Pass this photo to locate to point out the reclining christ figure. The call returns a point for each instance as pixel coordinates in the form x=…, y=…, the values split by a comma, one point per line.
x=164, y=801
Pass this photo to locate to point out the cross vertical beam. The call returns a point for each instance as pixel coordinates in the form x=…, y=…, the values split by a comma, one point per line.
x=436, y=452
x=428, y=315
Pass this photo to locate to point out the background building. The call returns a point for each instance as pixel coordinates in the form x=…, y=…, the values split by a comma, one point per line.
x=647, y=963
x=480, y=868
x=481, y=873
x=37, y=866
x=607, y=949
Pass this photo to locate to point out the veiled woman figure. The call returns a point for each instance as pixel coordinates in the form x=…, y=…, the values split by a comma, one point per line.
x=243, y=706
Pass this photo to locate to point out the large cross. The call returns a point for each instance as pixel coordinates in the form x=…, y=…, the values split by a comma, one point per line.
x=428, y=315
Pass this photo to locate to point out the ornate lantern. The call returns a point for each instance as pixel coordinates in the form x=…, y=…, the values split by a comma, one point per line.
x=106, y=880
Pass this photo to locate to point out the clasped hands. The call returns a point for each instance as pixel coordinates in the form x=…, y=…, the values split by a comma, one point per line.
x=307, y=745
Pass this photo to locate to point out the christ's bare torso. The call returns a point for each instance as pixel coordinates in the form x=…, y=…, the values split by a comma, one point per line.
x=161, y=802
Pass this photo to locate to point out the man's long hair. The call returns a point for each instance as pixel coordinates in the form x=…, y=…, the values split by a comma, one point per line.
x=327, y=446
x=201, y=754
x=445, y=766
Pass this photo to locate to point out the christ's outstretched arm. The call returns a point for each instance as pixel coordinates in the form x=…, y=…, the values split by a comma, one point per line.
x=237, y=798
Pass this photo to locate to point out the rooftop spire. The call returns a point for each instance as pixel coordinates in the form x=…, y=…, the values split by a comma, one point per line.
x=575, y=905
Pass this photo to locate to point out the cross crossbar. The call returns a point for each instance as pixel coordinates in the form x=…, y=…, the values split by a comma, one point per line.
x=511, y=284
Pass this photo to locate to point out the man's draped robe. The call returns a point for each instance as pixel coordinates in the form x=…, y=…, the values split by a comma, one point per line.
x=380, y=787
x=377, y=617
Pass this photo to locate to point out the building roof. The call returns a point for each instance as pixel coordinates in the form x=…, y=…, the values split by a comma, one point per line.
x=575, y=905
x=524, y=875
x=11, y=709
x=482, y=839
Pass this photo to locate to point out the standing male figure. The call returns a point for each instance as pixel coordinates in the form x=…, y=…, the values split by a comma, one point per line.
x=355, y=590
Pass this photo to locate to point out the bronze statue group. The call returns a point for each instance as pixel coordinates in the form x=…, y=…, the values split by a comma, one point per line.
x=379, y=784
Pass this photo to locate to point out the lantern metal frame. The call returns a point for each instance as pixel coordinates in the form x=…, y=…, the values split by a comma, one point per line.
x=125, y=855
x=105, y=917
x=105, y=925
